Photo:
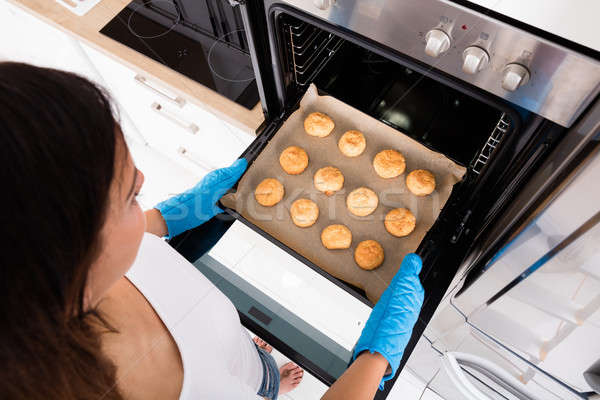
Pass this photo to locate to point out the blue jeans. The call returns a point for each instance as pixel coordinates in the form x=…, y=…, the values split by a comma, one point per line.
x=269, y=387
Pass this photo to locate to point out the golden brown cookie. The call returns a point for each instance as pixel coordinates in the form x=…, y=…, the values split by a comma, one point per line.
x=336, y=237
x=293, y=160
x=304, y=212
x=352, y=143
x=269, y=192
x=400, y=222
x=368, y=254
x=318, y=124
x=389, y=163
x=328, y=180
x=420, y=182
x=362, y=201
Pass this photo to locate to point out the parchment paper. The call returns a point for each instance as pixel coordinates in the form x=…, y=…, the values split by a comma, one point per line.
x=358, y=171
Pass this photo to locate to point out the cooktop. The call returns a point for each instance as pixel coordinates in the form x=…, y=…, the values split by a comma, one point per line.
x=203, y=40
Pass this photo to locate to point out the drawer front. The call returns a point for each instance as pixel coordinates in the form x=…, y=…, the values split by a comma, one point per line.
x=187, y=134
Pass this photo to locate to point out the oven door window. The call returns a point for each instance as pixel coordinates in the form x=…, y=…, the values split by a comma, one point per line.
x=299, y=312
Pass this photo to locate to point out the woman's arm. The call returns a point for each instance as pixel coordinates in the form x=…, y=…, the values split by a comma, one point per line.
x=384, y=337
x=361, y=380
x=155, y=223
x=195, y=206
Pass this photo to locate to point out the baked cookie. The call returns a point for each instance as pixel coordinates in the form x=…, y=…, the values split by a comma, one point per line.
x=336, y=237
x=304, y=212
x=368, y=254
x=389, y=163
x=269, y=192
x=318, y=124
x=293, y=160
x=328, y=180
x=352, y=143
x=400, y=222
x=362, y=201
x=420, y=182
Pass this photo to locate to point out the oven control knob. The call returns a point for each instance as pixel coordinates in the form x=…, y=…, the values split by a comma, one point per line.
x=437, y=41
x=514, y=76
x=323, y=4
x=474, y=59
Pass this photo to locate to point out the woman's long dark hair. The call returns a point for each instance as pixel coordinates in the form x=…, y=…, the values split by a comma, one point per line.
x=58, y=138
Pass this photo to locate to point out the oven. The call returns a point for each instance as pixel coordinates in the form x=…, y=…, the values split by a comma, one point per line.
x=516, y=106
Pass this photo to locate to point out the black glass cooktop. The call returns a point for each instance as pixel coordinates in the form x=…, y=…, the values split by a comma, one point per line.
x=202, y=39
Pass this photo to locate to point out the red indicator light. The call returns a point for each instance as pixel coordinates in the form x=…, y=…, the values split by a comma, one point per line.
x=464, y=27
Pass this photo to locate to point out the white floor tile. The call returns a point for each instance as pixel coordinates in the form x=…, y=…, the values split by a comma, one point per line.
x=430, y=395
x=406, y=387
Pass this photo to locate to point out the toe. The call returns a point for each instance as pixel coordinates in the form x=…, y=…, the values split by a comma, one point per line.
x=286, y=369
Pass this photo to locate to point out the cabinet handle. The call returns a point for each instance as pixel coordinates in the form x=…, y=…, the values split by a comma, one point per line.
x=185, y=153
x=193, y=128
x=174, y=99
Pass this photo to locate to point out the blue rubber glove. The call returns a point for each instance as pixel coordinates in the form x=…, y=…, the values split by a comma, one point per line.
x=199, y=204
x=390, y=324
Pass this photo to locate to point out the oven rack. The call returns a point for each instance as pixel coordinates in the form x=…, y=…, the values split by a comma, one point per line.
x=309, y=48
x=494, y=139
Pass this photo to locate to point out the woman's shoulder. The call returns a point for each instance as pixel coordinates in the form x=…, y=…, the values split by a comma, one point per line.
x=161, y=268
x=172, y=284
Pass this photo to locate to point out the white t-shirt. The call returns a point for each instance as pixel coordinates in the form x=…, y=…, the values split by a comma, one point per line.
x=219, y=358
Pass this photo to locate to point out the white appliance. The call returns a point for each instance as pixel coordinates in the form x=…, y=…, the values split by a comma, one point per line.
x=528, y=326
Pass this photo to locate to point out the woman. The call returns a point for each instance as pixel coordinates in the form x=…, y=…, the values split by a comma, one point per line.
x=73, y=325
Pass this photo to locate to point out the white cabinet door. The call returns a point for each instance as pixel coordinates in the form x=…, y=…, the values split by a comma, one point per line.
x=189, y=135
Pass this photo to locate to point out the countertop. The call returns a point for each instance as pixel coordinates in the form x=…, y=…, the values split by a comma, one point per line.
x=87, y=29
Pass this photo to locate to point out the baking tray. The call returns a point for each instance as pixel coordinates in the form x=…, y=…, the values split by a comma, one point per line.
x=304, y=243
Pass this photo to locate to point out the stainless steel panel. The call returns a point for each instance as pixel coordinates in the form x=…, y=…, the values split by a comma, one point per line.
x=561, y=84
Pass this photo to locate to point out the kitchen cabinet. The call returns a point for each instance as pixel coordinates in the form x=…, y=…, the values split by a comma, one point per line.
x=187, y=134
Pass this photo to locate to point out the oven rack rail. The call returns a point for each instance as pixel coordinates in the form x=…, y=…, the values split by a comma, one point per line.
x=309, y=49
x=501, y=128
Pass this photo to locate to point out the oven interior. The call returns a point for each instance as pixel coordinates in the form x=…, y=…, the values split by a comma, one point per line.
x=437, y=115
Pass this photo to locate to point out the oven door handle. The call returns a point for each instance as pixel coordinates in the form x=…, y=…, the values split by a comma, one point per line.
x=452, y=362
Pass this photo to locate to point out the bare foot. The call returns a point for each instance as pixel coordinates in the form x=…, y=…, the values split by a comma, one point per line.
x=262, y=344
x=290, y=377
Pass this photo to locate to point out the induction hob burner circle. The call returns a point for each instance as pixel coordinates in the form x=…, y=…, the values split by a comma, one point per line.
x=130, y=24
x=213, y=61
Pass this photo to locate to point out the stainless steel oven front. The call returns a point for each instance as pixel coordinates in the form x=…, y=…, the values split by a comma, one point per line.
x=514, y=105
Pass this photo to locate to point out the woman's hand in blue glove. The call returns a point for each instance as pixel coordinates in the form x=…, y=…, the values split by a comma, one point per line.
x=198, y=204
x=390, y=324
